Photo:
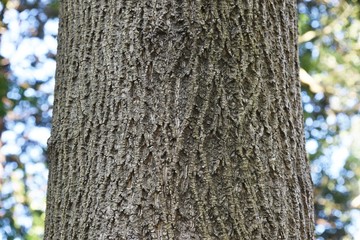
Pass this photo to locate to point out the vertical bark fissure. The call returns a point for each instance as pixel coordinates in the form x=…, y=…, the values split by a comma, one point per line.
x=178, y=120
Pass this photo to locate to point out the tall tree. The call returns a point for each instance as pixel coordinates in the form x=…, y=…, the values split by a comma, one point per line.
x=178, y=120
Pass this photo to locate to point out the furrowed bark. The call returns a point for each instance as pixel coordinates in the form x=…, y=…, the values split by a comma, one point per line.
x=178, y=120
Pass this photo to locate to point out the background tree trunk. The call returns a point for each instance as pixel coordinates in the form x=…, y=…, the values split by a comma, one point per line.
x=178, y=120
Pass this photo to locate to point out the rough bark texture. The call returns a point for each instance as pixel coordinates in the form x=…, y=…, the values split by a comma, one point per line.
x=178, y=120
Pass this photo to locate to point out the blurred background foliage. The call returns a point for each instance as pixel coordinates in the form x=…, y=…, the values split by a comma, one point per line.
x=28, y=46
x=329, y=50
x=330, y=74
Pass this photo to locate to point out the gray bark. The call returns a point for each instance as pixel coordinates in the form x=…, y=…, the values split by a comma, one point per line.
x=178, y=120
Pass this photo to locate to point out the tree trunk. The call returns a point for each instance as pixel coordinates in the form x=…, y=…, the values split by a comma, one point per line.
x=178, y=120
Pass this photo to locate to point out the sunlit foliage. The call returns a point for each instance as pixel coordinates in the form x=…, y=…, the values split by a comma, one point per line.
x=28, y=46
x=329, y=53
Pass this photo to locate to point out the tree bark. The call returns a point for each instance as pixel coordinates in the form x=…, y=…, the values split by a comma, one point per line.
x=178, y=120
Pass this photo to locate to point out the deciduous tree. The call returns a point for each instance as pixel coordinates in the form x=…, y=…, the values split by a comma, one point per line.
x=178, y=120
